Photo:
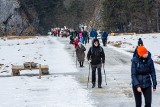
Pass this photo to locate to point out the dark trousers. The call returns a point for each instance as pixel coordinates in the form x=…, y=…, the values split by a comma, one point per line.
x=88, y=39
x=104, y=41
x=94, y=76
x=147, y=92
x=81, y=63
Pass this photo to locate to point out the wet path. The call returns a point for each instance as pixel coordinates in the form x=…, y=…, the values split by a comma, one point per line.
x=118, y=92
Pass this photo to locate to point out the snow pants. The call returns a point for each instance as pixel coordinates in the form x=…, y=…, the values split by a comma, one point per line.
x=104, y=41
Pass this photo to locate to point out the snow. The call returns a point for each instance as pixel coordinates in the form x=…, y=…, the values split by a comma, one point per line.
x=55, y=90
x=150, y=41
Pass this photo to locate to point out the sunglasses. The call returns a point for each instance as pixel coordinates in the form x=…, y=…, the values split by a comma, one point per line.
x=95, y=42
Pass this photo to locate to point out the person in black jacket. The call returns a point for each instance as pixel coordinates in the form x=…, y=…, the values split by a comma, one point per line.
x=143, y=76
x=96, y=57
x=85, y=36
x=140, y=43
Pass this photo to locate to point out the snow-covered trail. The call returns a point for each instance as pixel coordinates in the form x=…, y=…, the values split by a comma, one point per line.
x=118, y=92
x=55, y=90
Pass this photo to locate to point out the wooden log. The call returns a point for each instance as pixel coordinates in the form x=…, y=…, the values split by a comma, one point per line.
x=44, y=71
x=15, y=72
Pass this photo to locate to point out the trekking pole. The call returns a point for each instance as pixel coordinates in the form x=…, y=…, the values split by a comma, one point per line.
x=88, y=74
x=104, y=74
x=76, y=61
x=73, y=53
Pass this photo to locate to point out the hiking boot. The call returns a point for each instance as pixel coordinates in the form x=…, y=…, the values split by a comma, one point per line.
x=99, y=86
x=93, y=85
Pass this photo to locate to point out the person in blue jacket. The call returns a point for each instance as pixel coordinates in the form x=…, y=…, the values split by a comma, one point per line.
x=143, y=76
x=93, y=34
x=104, y=37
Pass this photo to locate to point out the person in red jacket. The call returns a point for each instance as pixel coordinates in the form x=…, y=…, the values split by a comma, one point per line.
x=76, y=42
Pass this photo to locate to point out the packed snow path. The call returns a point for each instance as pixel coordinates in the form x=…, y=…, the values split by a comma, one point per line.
x=55, y=90
x=60, y=88
x=118, y=92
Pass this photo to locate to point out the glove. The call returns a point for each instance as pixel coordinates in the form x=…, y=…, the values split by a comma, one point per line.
x=154, y=87
x=89, y=61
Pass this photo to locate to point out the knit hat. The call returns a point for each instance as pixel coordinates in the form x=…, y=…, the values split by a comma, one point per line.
x=140, y=42
x=141, y=50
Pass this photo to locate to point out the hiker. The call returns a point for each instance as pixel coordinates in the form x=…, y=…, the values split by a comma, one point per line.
x=96, y=57
x=80, y=53
x=88, y=38
x=143, y=76
x=93, y=34
x=140, y=43
x=85, y=36
x=80, y=34
x=71, y=39
x=76, y=41
x=74, y=34
x=104, y=37
x=58, y=32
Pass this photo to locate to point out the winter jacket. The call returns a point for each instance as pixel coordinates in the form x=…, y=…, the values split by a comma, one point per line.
x=104, y=35
x=85, y=34
x=80, y=35
x=76, y=43
x=96, y=54
x=142, y=71
x=135, y=54
x=93, y=34
x=80, y=53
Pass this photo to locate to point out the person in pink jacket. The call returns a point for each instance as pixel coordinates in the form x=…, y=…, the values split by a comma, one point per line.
x=80, y=34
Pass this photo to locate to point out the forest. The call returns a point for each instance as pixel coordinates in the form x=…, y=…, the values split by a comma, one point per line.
x=140, y=16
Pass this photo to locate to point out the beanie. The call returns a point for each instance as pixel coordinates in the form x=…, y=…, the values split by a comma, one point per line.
x=141, y=50
x=140, y=42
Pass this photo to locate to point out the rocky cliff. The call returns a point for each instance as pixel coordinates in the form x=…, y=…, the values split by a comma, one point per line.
x=30, y=17
x=16, y=19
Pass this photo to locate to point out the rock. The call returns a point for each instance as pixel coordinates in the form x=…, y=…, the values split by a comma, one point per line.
x=15, y=18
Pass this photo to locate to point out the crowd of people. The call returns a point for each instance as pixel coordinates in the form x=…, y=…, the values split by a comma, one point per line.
x=143, y=73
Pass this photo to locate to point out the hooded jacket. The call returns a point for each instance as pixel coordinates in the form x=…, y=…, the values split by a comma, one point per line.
x=104, y=35
x=93, y=33
x=142, y=71
x=96, y=54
